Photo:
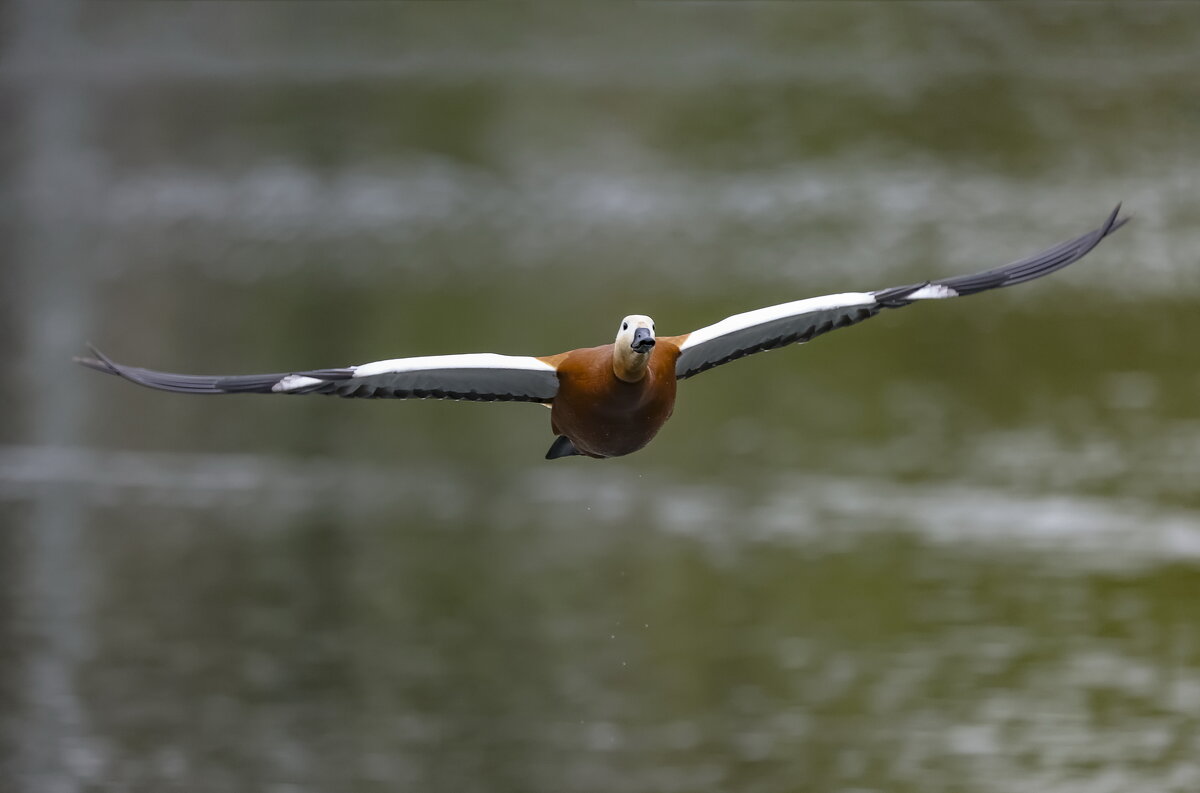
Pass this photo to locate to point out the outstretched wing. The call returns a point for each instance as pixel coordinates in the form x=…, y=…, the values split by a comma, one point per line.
x=802, y=320
x=480, y=377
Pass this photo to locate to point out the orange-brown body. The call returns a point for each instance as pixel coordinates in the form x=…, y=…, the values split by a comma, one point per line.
x=603, y=415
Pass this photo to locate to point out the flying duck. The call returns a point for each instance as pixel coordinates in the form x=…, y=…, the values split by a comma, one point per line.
x=611, y=400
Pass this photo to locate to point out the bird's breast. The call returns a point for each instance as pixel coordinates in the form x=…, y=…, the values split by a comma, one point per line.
x=605, y=416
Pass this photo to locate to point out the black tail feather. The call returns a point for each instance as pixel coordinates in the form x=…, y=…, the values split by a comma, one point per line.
x=562, y=447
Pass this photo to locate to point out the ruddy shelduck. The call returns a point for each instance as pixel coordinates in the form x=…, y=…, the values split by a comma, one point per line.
x=612, y=400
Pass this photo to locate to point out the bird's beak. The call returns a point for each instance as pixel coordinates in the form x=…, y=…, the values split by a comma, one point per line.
x=643, y=340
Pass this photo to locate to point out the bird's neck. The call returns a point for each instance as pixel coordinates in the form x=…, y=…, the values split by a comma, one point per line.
x=629, y=365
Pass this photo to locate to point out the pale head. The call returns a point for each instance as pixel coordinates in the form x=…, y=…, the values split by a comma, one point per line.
x=637, y=333
x=631, y=351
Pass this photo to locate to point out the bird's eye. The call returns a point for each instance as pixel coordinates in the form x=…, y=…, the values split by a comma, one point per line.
x=624, y=326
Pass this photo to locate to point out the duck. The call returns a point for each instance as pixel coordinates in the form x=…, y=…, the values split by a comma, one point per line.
x=612, y=400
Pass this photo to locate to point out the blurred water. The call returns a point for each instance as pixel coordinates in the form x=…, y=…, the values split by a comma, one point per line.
x=953, y=549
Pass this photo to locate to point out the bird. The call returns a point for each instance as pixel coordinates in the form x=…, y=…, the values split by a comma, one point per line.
x=611, y=400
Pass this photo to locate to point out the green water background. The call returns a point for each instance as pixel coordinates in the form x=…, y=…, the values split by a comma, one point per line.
x=951, y=549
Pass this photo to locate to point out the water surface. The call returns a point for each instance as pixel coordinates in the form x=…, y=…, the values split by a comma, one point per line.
x=951, y=549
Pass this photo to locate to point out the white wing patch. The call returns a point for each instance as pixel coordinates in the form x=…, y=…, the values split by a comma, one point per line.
x=479, y=360
x=483, y=376
x=294, y=382
x=768, y=316
x=932, y=292
x=769, y=328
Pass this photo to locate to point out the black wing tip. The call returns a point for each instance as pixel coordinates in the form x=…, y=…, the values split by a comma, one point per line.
x=99, y=361
x=1115, y=222
x=1028, y=269
x=92, y=363
x=178, y=383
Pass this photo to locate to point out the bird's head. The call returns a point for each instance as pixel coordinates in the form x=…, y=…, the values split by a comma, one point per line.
x=636, y=333
x=631, y=351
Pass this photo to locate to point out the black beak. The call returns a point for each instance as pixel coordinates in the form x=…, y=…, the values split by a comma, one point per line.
x=643, y=340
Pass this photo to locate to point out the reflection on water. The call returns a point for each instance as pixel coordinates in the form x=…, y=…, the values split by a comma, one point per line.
x=271, y=623
x=951, y=549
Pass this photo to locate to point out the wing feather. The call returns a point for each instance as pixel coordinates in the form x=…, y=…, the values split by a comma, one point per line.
x=479, y=377
x=771, y=328
x=803, y=320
